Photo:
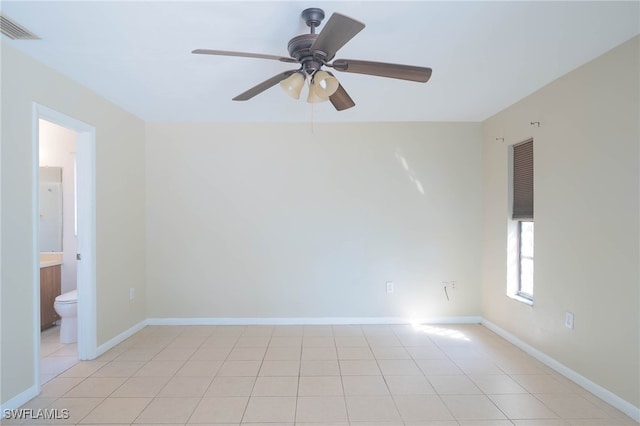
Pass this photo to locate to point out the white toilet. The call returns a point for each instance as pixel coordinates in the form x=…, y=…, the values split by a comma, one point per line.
x=66, y=305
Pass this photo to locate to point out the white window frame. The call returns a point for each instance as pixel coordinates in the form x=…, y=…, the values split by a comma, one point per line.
x=521, y=257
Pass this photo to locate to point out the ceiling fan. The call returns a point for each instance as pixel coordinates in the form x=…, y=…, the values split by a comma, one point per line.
x=313, y=51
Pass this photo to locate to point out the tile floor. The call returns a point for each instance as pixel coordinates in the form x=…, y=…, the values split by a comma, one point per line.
x=319, y=375
x=55, y=357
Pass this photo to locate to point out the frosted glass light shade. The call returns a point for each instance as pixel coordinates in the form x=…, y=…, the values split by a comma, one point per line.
x=325, y=84
x=293, y=84
x=313, y=97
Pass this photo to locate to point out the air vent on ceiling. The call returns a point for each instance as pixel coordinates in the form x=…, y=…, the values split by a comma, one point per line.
x=15, y=31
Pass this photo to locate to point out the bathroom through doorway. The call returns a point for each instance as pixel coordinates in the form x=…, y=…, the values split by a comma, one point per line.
x=58, y=236
x=64, y=234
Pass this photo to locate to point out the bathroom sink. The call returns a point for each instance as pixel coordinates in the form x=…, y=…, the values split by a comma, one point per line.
x=50, y=259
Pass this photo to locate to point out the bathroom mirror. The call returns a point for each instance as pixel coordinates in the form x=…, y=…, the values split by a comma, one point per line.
x=50, y=209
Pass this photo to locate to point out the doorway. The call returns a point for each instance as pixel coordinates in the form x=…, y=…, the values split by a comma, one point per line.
x=57, y=237
x=83, y=227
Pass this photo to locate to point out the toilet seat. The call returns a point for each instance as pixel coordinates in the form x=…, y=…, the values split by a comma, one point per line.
x=69, y=297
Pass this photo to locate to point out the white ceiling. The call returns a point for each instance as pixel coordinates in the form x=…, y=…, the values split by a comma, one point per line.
x=485, y=55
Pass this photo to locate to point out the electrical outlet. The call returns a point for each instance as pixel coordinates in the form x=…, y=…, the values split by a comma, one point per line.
x=568, y=320
x=390, y=287
x=132, y=293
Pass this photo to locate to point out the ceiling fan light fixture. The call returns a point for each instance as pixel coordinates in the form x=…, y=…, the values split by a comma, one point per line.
x=313, y=97
x=293, y=84
x=324, y=85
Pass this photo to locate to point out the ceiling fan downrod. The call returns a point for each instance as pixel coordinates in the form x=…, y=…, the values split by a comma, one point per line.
x=313, y=17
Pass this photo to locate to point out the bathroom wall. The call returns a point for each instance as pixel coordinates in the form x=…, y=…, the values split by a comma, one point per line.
x=58, y=149
x=587, y=184
x=311, y=221
x=120, y=215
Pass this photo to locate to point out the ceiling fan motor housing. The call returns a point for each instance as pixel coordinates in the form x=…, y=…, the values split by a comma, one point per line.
x=300, y=48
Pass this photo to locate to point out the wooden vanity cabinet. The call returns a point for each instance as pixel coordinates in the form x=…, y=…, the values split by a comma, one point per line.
x=50, y=288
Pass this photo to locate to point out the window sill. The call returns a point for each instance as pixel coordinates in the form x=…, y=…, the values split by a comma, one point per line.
x=521, y=299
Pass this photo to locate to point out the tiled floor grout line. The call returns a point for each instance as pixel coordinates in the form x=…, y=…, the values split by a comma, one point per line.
x=344, y=394
x=430, y=384
x=205, y=391
x=295, y=411
x=246, y=407
x=395, y=404
x=150, y=399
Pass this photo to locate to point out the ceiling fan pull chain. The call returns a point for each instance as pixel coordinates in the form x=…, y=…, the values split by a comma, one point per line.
x=313, y=130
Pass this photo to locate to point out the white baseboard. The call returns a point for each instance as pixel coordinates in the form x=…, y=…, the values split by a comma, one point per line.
x=19, y=400
x=120, y=337
x=602, y=393
x=314, y=321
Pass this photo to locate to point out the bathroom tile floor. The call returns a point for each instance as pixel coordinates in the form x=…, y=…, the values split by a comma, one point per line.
x=462, y=375
x=55, y=357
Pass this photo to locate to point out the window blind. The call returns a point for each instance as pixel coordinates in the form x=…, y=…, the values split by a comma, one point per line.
x=523, y=181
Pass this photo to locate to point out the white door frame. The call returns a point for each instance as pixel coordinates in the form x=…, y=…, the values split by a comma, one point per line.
x=86, y=184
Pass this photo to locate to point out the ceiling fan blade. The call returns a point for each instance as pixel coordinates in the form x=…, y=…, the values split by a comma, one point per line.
x=338, y=30
x=267, y=84
x=381, y=69
x=243, y=54
x=341, y=99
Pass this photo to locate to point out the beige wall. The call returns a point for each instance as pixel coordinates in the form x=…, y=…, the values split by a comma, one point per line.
x=286, y=220
x=586, y=212
x=120, y=199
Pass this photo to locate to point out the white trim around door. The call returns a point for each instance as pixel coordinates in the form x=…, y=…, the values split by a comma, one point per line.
x=86, y=199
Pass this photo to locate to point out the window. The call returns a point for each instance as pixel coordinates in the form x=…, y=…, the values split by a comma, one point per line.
x=525, y=259
x=522, y=214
